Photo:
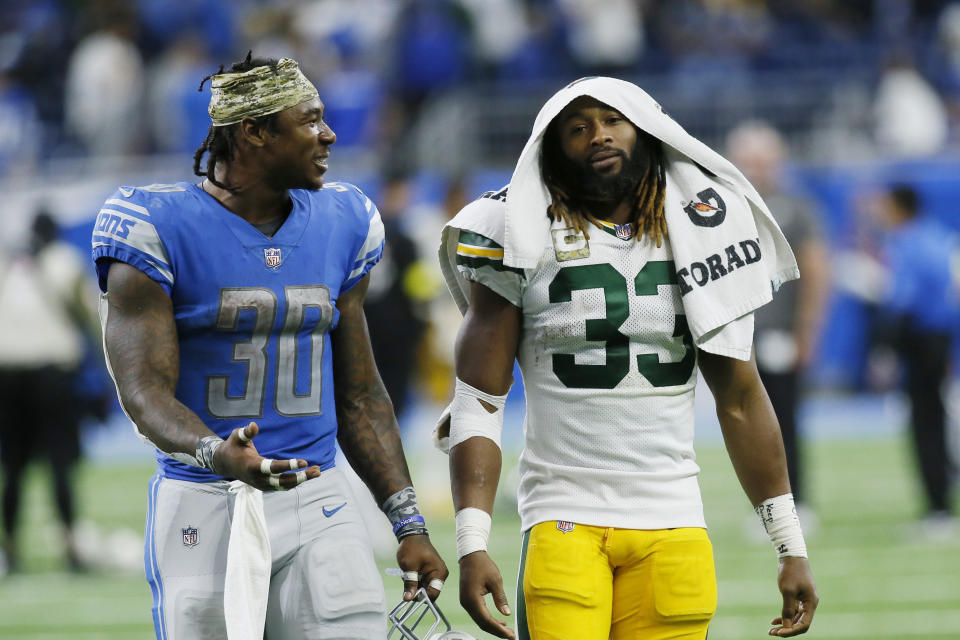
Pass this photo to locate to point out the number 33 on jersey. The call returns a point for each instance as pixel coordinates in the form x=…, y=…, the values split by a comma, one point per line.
x=609, y=372
x=607, y=312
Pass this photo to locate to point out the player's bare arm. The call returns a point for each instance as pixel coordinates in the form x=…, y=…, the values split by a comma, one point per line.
x=752, y=437
x=485, y=352
x=140, y=339
x=368, y=433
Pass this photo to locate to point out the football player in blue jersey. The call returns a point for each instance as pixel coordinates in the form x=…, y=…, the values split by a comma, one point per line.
x=233, y=324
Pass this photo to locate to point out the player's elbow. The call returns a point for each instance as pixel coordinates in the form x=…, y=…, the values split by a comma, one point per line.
x=731, y=415
x=142, y=396
x=736, y=405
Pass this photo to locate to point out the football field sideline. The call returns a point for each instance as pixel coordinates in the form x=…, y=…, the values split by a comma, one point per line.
x=878, y=576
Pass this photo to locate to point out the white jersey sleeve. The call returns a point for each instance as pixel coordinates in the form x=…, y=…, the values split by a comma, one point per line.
x=480, y=259
x=471, y=250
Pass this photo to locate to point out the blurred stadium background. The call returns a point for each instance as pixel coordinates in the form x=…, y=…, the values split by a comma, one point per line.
x=432, y=101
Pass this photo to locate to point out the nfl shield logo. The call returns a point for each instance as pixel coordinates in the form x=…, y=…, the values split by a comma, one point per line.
x=272, y=257
x=564, y=526
x=191, y=536
x=623, y=231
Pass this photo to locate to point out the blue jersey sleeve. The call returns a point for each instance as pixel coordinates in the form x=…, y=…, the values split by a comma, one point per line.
x=125, y=230
x=369, y=246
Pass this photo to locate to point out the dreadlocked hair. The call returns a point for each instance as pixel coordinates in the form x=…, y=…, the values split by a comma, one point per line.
x=571, y=207
x=220, y=141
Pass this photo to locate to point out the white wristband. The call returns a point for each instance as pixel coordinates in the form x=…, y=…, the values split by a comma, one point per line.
x=473, y=530
x=779, y=518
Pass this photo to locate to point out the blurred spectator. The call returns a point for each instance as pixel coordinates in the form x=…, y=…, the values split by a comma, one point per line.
x=353, y=97
x=46, y=296
x=104, y=92
x=787, y=329
x=860, y=282
x=164, y=22
x=544, y=52
x=37, y=36
x=910, y=117
x=712, y=42
x=499, y=29
x=948, y=33
x=431, y=40
x=919, y=315
x=279, y=30
x=20, y=129
x=605, y=37
x=393, y=305
x=177, y=111
x=367, y=23
x=352, y=36
x=444, y=318
x=390, y=57
x=945, y=65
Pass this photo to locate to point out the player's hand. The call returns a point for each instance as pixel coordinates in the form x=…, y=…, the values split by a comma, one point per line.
x=800, y=598
x=478, y=577
x=417, y=555
x=238, y=458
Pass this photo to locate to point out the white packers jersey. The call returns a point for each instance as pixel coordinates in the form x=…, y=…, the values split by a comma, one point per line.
x=609, y=370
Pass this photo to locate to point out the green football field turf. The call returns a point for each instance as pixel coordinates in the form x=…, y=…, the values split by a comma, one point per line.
x=878, y=578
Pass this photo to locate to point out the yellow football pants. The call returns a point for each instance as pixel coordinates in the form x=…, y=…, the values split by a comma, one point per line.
x=595, y=583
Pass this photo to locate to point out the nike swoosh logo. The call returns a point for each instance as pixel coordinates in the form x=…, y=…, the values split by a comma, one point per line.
x=330, y=512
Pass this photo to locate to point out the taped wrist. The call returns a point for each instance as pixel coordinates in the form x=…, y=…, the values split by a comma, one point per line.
x=473, y=530
x=779, y=518
x=404, y=513
x=205, y=450
x=469, y=418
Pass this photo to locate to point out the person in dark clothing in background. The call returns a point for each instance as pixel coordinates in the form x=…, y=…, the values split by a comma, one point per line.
x=787, y=329
x=394, y=311
x=918, y=315
x=46, y=322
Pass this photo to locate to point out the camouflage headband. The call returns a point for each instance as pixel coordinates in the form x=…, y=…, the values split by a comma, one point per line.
x=258, y=92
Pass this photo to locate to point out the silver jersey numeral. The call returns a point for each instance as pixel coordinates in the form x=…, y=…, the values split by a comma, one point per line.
x=253, y=351
x=299, y=299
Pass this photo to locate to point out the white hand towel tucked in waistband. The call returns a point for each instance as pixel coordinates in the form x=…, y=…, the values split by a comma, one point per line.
x=247, y=583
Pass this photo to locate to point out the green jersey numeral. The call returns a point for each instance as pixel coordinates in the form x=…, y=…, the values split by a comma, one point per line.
x=607, y=329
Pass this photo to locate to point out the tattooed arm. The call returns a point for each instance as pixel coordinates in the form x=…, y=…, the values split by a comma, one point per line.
x=368, y=433
x=140, y=343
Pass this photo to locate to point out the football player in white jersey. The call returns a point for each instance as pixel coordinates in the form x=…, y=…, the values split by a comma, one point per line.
x=614, y=542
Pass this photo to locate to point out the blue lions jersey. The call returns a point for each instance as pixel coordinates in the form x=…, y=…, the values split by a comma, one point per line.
x=253, y=313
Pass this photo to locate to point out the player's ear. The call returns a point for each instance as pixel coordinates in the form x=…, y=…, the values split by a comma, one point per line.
x=253, y=132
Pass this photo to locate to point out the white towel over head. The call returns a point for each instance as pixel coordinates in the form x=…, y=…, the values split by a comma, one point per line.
x=729, y=251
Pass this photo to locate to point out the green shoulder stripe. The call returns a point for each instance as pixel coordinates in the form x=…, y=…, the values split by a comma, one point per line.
x=477, y=240
x=475, y=262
